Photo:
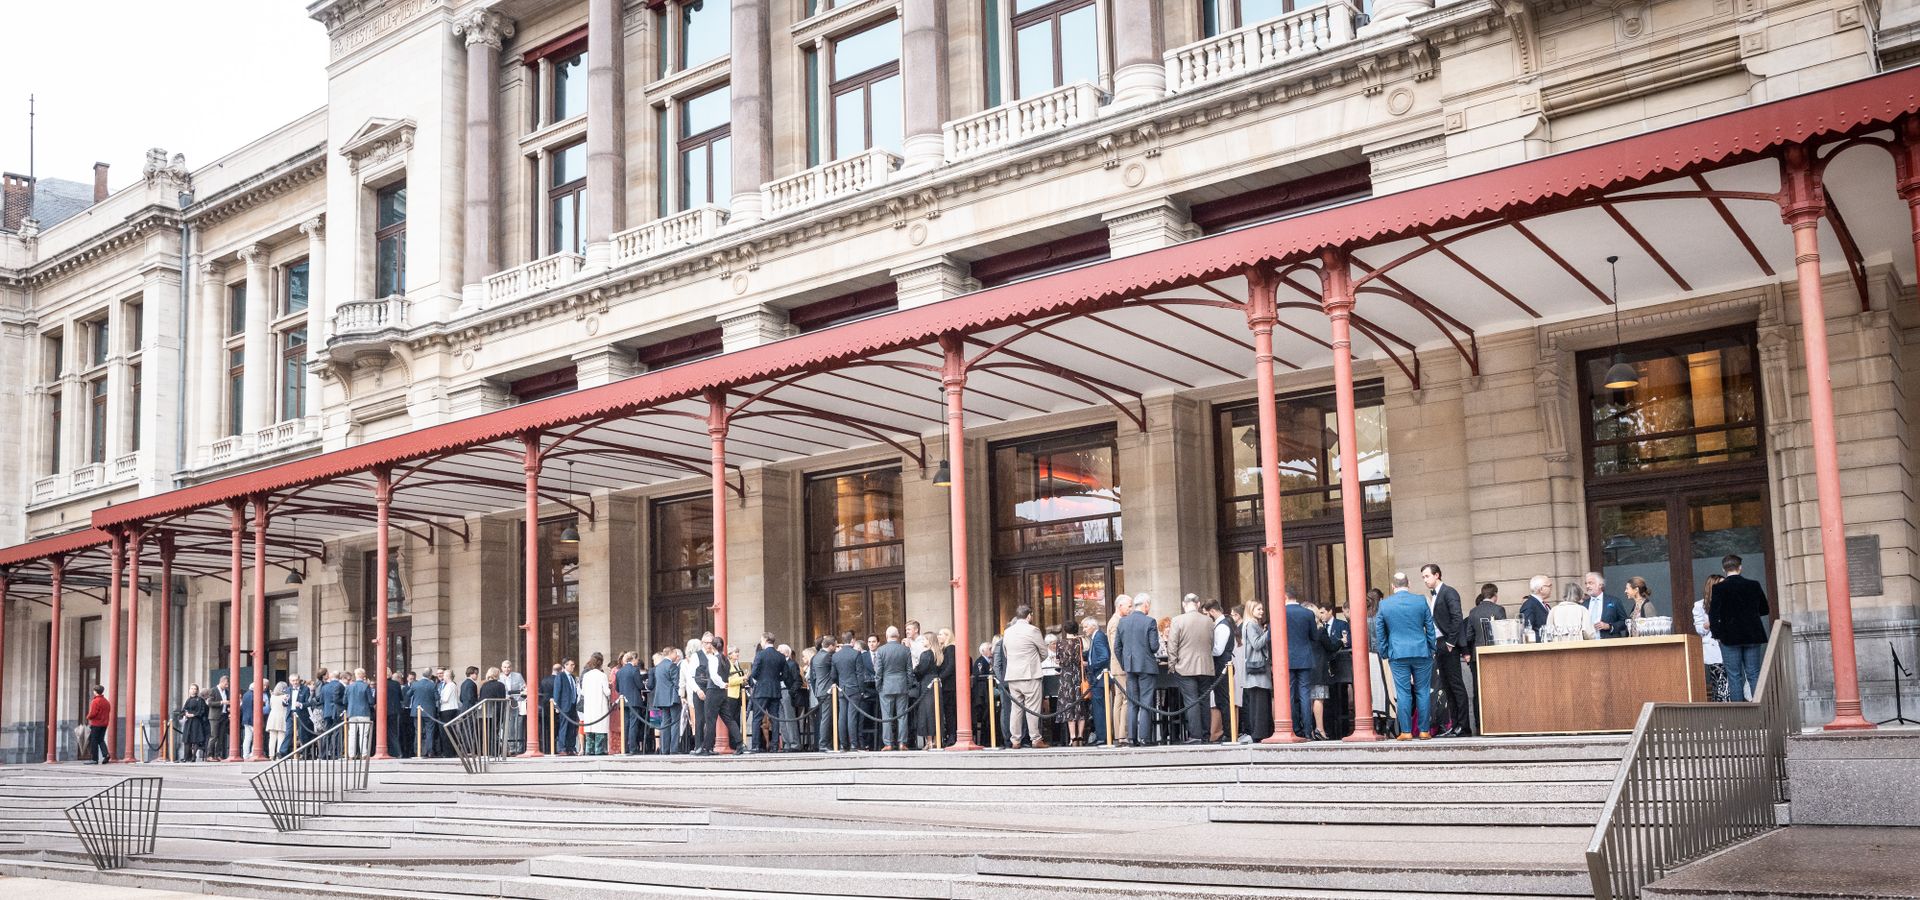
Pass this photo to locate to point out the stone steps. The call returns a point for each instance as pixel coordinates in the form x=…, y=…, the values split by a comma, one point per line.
x=1360, y=792
x=1409, y=814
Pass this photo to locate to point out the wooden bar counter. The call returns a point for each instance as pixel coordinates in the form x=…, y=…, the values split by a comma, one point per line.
x=1585, y=687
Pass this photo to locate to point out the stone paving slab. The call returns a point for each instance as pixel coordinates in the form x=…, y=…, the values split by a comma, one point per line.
x=1805, y=862
x=67, y=890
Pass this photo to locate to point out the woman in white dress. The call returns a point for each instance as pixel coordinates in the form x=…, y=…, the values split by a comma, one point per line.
x=276, y=719
x=594, y=695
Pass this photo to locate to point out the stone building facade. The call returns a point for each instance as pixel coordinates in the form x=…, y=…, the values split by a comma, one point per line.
x=507, y=201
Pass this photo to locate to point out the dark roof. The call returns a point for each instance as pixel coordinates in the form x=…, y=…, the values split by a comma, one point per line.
x=56, y=200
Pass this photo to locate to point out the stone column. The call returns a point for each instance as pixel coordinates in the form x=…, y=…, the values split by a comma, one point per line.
x=319, y=315
x=1170, y=546
x=483, y=30
x=923, y=63
x=116, y=387
x=1139, y=71
x=258, y=406
x=751, y=110
x=209, y=349
x=606, y=131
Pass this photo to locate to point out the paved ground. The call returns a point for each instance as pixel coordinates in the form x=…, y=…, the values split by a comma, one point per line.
x=1806, y=861
x=68, y=890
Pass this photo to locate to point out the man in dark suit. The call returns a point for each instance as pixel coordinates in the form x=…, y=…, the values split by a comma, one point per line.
x=1448, y=616
x=300, y=702
x=1135, y=644
x=470, y=689
x=1533, y=610
x=985, y=732
x=332, y=691
x=763, y=693
x=870, y=694
x=566, y=699
x=424, y=696
x=848, y=677
x=892, y=663
x=791, y=687
x=1605, y=612
x=1301, y=624
x=820, y=693
x=1735, y=615
x=1099, y=656
x=628, y=681
x=218, y=701
x=398, y=718
x=666, y=701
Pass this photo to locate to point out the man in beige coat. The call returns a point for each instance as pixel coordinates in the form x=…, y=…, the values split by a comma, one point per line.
x=1025, y=650
x=1190, y=656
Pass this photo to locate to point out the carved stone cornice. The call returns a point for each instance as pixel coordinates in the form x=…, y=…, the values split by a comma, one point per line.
x=483, y=26
x=352, y=24
x=377, y=141
x=304, y=168
x=123, y=236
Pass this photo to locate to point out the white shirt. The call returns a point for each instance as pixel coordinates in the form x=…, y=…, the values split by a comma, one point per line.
x=687, y=684
x=1596, y=606
x=449, y=695
x=1222, y=632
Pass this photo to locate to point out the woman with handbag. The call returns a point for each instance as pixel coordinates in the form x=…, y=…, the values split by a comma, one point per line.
x=1071, y=696
x=1257, y=683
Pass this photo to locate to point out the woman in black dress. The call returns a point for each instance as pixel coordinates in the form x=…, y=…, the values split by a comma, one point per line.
x=945, y=669
x=193, y=728
x=922, y=673
x=1071, y=699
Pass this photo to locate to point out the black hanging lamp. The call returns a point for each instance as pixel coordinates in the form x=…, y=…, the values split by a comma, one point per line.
x=297, y=576
x=943, y=474
x=1621, y=375
x=570, y=534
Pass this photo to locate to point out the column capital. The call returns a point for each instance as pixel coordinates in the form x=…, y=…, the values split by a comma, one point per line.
x=210, y=269
x=753, y=326
x=315, y=228
x=252, y=255
x=483, y=26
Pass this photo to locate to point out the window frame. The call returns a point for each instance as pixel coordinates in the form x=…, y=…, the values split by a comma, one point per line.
x=397, y=232
x=1103, y=436
x=1048, y=11
x=237, y=300
x=293, y=369
x=98, y=425
x=1366, y=394
x=236, y=390
x=1612, y=486
x=56, y=421
x=286, y=286
x=657, y=510
x=575, y=189
x=863, y=81
x=133, y=407
x=705, y=140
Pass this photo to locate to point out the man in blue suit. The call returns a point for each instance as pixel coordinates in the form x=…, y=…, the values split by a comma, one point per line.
x=359, y=707
x=566, y=700
x=627, y=681
x=1406, y=635
x=424, y=695
x=849, y=677
x=1300, y=627
x=300, y=702
x=764, y=681
x=1605, y=612
x=666, y=701
x=1135, y=642
x=333, y=707
x=1099, y=656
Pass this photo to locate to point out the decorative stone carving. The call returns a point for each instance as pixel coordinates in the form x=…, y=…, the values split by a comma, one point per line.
x=753, y=326
x=377, y=141
x=252, y=254
x=483, y=26
x=932, y=281
x=315, y=228
x=160, y=168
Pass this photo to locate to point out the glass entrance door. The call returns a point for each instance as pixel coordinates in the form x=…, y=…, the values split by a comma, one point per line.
x=1676, y=541
x=1061, y=593
x=677, y=622
x=860, y=608
x=1323, y=582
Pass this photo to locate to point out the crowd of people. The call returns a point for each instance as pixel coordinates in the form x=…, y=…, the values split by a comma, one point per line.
x=1205, y=674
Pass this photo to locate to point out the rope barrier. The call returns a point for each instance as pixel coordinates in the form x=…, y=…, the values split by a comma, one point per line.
x=1205, y=693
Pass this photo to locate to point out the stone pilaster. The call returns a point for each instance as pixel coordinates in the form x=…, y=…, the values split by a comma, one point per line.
x=161, y=346
x=1427, y=442
x=932, y=281
x=751, y=103
x=752, y=327
x=319, y=313
x=483, y=31
x=605, y=365
x=210, y=359
x=1148, y=226
x=625, y=564
x=606, y=130
x=923, y=64
x=257, y=402
x=1165, y=502
x=1139, y=72
x=763, y=542
x=481, y=396
x=929, y=542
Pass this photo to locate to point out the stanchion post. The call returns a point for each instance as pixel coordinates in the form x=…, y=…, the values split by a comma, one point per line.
x=553, y=733
x=835, y=693
x=1106, y=699
x=939, y=724
x=993, y=712
x=1233, y=712
x=747, y=738
x=416, y=732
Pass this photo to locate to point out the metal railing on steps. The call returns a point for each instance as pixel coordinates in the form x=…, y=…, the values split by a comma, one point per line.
x=315, y=773
x=478, y=735
x=1696, y=778
x=119, y=822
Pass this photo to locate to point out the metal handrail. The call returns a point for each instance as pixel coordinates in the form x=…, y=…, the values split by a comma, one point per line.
x=316, y=773
x=1696, y=778
x=118, y=822
x=478, y=735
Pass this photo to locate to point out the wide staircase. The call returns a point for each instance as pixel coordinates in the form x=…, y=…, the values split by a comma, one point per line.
x=1479, y=818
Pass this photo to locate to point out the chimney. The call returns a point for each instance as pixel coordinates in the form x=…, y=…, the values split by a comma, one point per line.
x=14, y=191
x=99, y=182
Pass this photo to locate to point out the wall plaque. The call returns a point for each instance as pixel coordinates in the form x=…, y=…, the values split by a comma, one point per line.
x=1863, y=564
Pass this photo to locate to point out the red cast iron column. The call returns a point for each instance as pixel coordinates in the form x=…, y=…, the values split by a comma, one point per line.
x=717, y=431
x=133, y=648
x=162, y=698
x=258, y=712
x=530, y=456
x=4, y=574
x=382, y=502
x=59, y=567
x=1336, y=299
x=953, y=380
x=1801, y=205
x=1261, y=315
x=112, y=665
x=1906, y=166
x=237, y=525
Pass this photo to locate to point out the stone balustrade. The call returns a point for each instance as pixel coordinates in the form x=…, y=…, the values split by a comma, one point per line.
x=287, y=433
x=840, y=178
x=47, y=488
x=126, y=467
x=226, y=449
x=1274, y=42
x=531, y=278
x=667, y=234
x=90, y=477
x=359, y=317
x=1010, y=123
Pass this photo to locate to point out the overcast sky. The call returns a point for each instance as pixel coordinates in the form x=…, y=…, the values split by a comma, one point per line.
x=114, y=77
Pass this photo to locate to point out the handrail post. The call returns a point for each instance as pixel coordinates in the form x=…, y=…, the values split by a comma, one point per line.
x=1233, y=712
x=834, y=692
x=993, y=711
x=1106, y=699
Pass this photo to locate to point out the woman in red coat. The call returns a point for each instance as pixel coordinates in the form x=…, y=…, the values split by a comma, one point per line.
x=99, y=713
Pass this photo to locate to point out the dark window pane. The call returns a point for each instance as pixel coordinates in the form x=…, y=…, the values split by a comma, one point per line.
x=392, y=203
x=390, y=267
x=569, y=164
x=1697, y=403
x=855, y=522
x=682, y=556
x=565, y=221
x=1055, y=494
x=569, y=86
x=236, y=309
x=705, y=29
x=297, y=287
